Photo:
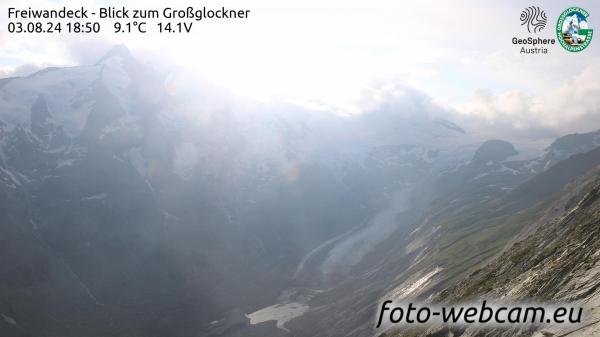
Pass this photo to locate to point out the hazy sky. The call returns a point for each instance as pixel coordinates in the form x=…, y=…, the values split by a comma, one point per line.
x=343, y=54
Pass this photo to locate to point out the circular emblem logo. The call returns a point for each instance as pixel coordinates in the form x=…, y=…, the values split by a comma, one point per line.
x=572, y=29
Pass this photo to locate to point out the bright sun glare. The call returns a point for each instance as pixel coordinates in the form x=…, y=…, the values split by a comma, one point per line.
x=323, y=55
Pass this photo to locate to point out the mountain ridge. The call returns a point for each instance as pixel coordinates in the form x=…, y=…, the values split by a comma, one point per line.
x=134, y=208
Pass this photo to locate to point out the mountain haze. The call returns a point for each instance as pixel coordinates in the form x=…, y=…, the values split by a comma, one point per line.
x=136, y=202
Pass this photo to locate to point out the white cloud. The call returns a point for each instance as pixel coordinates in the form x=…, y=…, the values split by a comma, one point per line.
x=328, y=53
x=572, y=106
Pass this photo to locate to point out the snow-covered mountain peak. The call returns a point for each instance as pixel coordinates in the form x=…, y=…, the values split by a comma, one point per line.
x=117, y=52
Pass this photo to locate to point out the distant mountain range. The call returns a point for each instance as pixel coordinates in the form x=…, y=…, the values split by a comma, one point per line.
x=138, y=203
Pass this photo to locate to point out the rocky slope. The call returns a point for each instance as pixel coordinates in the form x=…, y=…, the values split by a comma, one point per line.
x=556, y=259
x=444, y=246
x=141, y=203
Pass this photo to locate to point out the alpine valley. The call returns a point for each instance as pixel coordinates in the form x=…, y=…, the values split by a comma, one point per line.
x=136, y=202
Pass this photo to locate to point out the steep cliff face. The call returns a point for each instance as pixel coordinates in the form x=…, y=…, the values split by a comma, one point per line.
x=556, y=259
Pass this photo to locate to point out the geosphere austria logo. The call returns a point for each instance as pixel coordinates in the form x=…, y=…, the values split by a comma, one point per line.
x=534, y=18
x=572, y=29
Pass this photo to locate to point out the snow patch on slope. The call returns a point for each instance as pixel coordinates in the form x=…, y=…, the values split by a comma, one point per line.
x=411, y=287
x=281, y=313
